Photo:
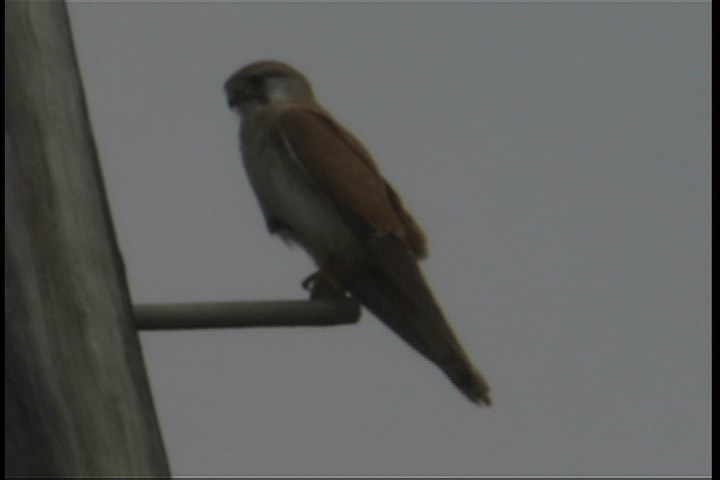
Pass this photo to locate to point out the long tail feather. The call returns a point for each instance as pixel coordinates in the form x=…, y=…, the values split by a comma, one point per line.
x=392, y=287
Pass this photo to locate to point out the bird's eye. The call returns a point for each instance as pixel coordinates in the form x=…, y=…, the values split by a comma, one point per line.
x=256, y=80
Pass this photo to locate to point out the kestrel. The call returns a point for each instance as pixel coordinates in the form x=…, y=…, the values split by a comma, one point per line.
x=319, y=187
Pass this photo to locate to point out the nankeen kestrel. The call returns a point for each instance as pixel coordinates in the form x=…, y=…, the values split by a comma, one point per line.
x=318, y=187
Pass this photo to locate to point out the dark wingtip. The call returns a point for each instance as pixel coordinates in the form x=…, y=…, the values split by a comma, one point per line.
x=484, y=400
x=478, y=393
x=469, y=381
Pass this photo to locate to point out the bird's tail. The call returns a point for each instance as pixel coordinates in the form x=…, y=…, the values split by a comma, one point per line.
x=393, y=288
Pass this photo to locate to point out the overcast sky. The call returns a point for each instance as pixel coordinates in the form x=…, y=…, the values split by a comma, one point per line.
x=558, y=157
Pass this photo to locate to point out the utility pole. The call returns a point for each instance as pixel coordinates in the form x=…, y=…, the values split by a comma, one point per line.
x=77, y=400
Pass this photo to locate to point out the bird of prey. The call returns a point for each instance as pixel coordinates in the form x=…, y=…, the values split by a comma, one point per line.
x=317, y=186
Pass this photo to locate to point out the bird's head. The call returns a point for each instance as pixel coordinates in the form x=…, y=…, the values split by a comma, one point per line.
x=265, y=83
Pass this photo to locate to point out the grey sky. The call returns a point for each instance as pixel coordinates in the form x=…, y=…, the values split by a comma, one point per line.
x=558, y=157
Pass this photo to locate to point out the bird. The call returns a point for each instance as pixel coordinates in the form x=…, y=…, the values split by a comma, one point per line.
x=319, y=187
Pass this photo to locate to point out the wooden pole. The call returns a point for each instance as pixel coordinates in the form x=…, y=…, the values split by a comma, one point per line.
x=77, y=400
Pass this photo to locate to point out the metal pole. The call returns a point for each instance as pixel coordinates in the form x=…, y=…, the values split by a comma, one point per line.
x=246, y=314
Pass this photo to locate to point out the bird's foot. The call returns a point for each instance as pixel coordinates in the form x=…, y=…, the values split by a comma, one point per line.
x=322, y=284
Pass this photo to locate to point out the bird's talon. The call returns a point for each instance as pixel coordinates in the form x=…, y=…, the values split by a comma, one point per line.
x=310, y=281
x=322, y=284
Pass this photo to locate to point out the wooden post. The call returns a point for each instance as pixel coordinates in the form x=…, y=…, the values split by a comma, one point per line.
x=77, y=400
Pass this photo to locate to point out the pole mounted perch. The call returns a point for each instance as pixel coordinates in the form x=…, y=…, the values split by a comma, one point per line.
x=327, y=306
x=247, y=314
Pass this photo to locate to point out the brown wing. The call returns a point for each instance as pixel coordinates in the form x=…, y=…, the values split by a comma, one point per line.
x=345, y=170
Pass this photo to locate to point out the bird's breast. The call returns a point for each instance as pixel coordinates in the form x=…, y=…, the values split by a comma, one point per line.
x=289, y=197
